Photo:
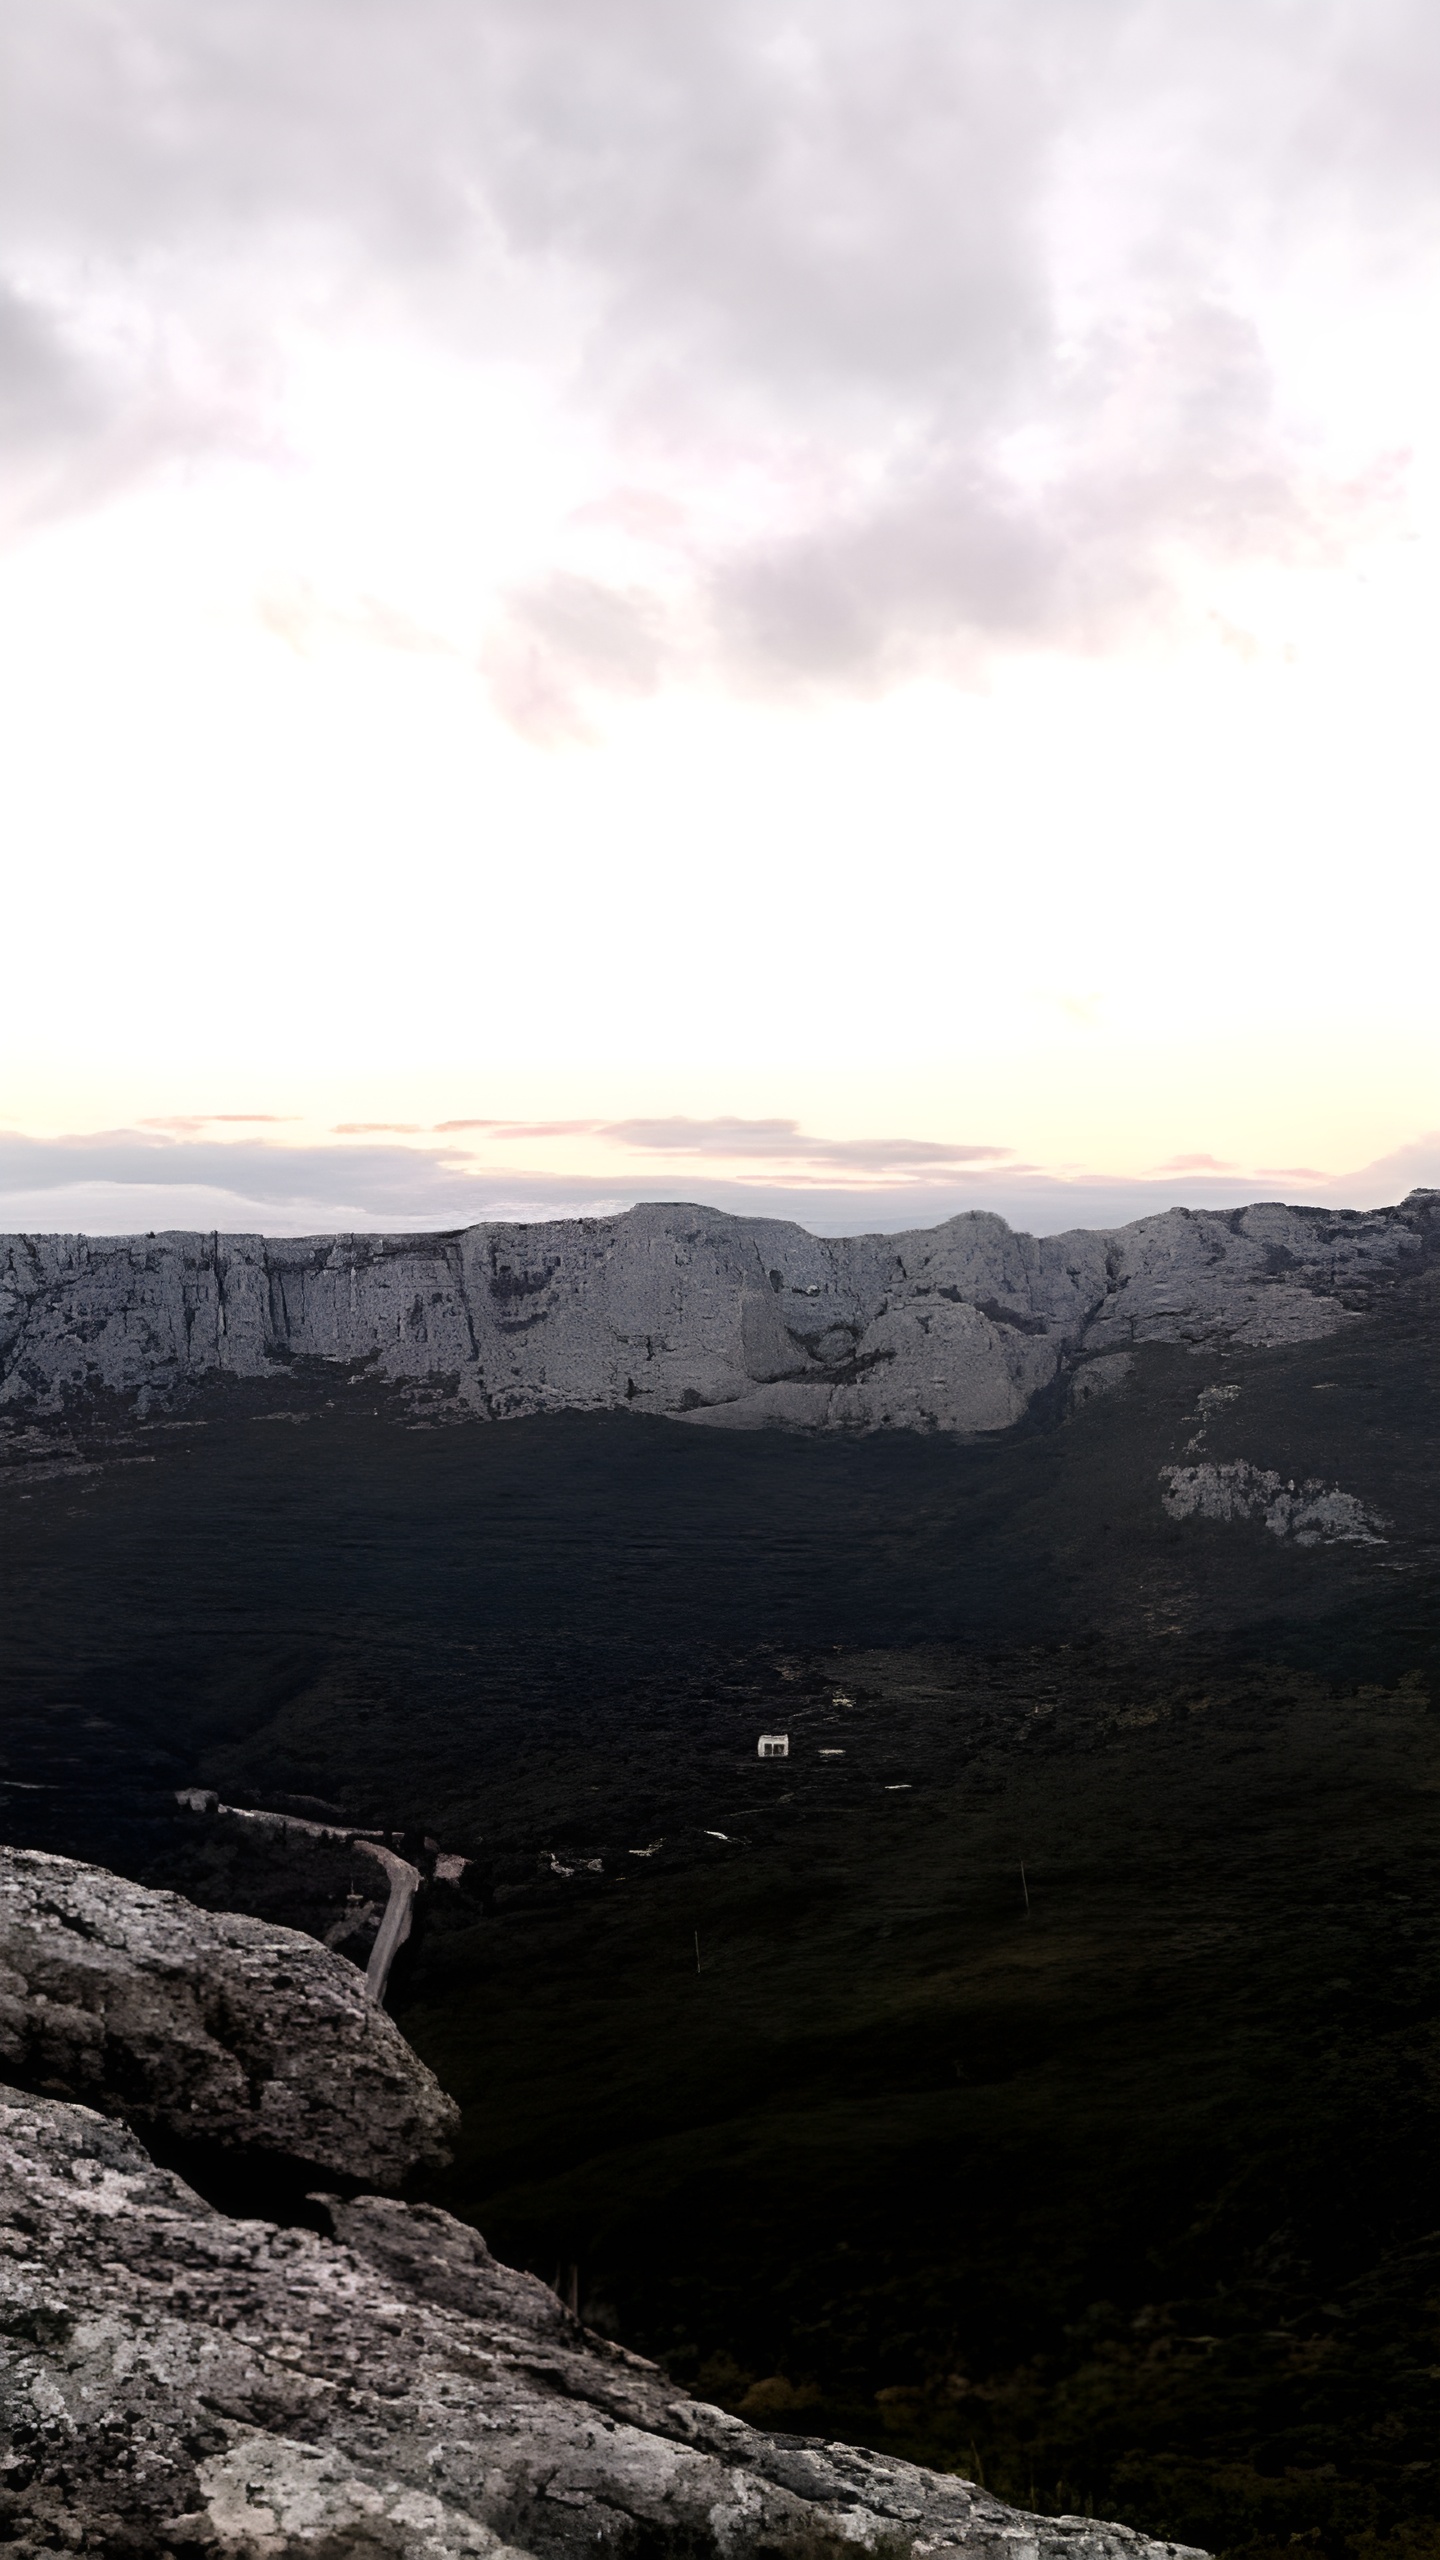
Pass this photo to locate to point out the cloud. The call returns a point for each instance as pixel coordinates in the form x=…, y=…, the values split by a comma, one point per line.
x=405, y=1181
x=727, y=1138
x=523, y=1128
x=43, y=393
x=1415, y=1167
x=899, y=331
x=189, y=1123
x=124, y=1182
x=734, y=1139
x=1197, y=1164
x=737, y=1140
x=566, y=633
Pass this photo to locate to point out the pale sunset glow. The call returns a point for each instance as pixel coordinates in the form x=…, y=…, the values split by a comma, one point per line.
x=825, y=609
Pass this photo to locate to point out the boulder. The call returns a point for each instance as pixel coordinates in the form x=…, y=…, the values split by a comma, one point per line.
x=206, y=2027
x=174, y=2381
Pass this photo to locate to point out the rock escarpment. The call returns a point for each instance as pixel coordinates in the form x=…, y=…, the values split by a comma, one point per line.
x=171, y=2380
x=686, y=1311
x=206, y=2027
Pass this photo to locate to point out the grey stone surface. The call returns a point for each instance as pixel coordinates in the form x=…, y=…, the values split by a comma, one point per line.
x=206, y=2026
x=686, y=1311
x=171, y=2380
x=1311, y=1513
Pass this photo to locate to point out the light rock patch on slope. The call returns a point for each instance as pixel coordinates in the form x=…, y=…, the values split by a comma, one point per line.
x=1312, y=1514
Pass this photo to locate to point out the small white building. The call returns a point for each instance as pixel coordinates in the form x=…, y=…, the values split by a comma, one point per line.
x=773, y=1746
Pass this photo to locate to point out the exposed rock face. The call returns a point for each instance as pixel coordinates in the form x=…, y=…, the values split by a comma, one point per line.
x=206, y=2026
x=679, y=1310
x=1313, y=1514
x=171, y=2380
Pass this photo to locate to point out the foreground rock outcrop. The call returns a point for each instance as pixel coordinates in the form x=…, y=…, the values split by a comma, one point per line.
x=171, y=2380
x=685, y=1311
x=206, y=2027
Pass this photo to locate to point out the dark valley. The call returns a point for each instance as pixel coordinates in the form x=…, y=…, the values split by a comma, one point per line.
x=1033, y=2071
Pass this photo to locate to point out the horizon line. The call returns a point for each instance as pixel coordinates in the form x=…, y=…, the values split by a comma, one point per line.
x=732, y=1217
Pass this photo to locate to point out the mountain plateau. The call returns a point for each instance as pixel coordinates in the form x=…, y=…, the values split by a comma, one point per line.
x=684, y=1311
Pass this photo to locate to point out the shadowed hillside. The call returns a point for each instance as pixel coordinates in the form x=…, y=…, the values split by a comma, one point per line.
x=1112, y=2177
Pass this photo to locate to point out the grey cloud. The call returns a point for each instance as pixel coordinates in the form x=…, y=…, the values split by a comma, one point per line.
x=379, y=1179
x=186, y=1123
x=821, y=235
x=726, y=1135
x=939, y=550
x=43, y=391
x=1415, y=1167
x=522, y=1128
x=1372, y=122
x=121, y=1183
x=820, y=186
x=813, y=194
x=785, y=1140
x=924, y=563
x=564, y=635
x=948, y=550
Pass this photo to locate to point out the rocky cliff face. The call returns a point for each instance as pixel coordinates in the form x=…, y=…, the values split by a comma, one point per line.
x=685, y=1311
x=173, y=2380
x=208, y=2027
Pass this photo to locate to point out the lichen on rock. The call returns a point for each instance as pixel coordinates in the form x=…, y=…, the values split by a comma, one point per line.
x=172, y=2380
x=206, y=2027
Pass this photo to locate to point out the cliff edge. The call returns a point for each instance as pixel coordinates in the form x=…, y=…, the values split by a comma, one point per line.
x=174, y=2380
x=743, y=1322
x=206, y=2027
x=183, y=2382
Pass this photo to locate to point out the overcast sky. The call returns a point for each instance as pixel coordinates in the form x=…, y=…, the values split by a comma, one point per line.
x=826, y=606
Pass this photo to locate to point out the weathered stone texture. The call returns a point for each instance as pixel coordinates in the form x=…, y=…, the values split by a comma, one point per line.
x=680, y=1310
x=206, y=2026
x=174, y=2380
x=1313, y=1513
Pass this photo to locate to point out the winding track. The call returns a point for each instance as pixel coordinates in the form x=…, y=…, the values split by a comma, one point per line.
x=404, y=1879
